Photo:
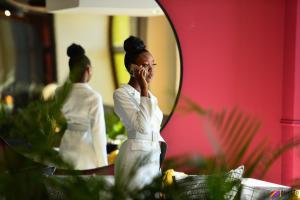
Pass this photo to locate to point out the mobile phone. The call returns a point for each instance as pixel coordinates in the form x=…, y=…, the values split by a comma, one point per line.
x=132, y=69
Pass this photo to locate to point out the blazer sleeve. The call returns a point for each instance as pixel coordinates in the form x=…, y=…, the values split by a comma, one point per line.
x=99, y=131
x=137, y=116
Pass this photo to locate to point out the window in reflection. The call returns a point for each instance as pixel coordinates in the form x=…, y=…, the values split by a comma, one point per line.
x=120, y=28
x=27, y=60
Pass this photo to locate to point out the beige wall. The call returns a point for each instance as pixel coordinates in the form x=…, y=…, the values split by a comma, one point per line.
x=162, y=44
x=90, y=31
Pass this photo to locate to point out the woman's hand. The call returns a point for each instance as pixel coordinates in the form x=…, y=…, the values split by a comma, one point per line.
x=141, y=74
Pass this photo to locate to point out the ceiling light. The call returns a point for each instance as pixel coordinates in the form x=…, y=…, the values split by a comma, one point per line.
x=7, y=13
x=106, y=7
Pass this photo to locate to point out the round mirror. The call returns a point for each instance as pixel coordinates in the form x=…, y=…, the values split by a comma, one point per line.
x=33, y=44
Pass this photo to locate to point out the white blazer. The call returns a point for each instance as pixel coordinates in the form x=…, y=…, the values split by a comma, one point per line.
x=83, y=144
x=142, y=119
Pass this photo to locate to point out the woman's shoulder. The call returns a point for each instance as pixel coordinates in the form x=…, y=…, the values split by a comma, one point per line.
x=96, y=96
x=120, y=91
x=89, y=89
x=91, y=93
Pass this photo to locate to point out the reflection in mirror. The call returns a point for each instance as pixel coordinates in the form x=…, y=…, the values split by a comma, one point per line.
x=33, y=58
x=161, y=44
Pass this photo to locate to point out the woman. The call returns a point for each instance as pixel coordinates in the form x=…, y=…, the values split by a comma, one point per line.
x=139, y=112
x=83, y=145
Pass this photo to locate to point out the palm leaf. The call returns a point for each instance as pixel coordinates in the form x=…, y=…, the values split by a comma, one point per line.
x=237, y=132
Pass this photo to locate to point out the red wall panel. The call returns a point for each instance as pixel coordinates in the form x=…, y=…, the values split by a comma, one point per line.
x=233, y=54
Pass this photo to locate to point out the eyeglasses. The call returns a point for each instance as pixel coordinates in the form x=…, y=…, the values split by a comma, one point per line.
x=147, y=66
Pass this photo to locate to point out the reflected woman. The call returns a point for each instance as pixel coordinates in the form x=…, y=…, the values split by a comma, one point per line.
x=138, y=110
x=83, y=144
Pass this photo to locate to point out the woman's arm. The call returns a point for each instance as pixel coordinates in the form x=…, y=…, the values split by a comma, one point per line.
x=138, y=116
x=99, y=131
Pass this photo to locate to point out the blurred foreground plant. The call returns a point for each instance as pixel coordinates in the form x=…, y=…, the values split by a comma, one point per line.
x=231, y=134
x=114, y=126
x=36, y=129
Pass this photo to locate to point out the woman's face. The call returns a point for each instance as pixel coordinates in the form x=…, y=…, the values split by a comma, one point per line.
x=147, y=61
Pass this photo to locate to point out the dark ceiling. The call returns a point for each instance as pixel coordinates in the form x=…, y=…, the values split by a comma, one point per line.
x=33, y=2
x=7, y=5
x=4, y=4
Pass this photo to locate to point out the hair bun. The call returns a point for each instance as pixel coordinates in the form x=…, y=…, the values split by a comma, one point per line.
x=75, y=50
x=133, y=44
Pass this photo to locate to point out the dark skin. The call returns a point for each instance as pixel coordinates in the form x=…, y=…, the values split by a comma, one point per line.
x=143, y=73
x=86, y=77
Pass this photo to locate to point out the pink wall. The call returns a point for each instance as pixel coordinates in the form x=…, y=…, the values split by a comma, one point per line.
x=291, y=90
x=232, y=55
